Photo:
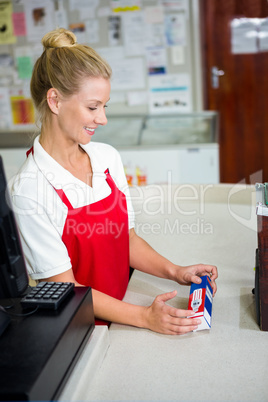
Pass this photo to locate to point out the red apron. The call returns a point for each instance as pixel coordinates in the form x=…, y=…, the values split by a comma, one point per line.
x=97, y=240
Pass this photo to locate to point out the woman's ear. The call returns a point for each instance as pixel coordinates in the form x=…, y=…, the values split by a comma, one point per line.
x=53, y=100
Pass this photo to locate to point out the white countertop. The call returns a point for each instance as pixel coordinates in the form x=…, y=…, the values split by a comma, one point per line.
x=215, y=225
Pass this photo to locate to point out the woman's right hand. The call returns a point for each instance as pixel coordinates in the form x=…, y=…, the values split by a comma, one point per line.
x=165, y=319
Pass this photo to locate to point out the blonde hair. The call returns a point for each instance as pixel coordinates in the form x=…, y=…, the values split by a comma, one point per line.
x=63, y=65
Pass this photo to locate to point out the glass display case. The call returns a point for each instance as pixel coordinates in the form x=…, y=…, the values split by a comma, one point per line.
x=164, y=130
x=181, y=148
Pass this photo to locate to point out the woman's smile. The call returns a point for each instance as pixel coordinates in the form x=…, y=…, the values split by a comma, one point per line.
x=90, y=131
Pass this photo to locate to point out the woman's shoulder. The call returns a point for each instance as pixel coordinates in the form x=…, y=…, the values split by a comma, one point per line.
x=25, y=181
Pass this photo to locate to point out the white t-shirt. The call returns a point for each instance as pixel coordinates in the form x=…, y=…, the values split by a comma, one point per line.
x=40, y=212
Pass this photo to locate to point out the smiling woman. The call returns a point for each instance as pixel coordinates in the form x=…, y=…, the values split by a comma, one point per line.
x=72, y=200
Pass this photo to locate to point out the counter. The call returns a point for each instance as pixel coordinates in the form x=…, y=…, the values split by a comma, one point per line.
x=213, y=224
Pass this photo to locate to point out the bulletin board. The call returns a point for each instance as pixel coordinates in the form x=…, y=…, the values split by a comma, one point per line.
x=148, y=43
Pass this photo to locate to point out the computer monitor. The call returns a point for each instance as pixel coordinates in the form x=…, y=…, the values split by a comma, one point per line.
x=13, y=273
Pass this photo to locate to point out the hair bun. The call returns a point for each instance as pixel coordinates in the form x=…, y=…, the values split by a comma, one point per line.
x=59, y=38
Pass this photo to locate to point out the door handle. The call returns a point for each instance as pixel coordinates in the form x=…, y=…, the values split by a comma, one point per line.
x=215, y=74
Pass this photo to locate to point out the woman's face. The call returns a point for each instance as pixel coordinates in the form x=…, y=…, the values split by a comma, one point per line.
x=80, y=114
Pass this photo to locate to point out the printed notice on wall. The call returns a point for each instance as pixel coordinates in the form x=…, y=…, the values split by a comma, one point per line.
x=39, y=18
x=175, y=30
x=249, y=35
x=127, y=74
x=170, y=93
x=133, y=26
x=6, y=24
x=244, y=36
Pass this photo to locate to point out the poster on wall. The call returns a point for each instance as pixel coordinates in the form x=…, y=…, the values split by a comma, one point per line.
x=175, y=29
x=39, y=18
x=170, y=93
x=6, y=24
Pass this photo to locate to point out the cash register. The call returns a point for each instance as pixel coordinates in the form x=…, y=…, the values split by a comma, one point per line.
x=43, y=329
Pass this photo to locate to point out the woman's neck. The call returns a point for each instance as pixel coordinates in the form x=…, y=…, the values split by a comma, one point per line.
x=68, y=154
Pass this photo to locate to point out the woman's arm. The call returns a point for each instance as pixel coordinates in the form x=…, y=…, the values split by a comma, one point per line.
x=158, y=317
x=144, y=258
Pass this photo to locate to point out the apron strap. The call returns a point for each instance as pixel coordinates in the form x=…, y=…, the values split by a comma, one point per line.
x=109, y=179
x=30, y=151
x=64, y=199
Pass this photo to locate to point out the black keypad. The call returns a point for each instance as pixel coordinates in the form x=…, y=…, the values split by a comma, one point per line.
x=47, y=295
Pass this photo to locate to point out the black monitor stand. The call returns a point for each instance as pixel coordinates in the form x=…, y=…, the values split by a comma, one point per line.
x=39, y=351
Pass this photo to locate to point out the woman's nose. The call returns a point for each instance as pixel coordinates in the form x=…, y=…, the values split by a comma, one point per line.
x=101, y=118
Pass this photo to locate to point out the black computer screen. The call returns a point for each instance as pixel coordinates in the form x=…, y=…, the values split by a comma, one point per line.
x=13, y=274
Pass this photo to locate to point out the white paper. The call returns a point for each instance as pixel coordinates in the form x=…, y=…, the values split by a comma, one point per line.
x=39, y=16
x=154, y=15
x=133, y=33
x=127, y=74
x=175, y=29
x=85, y=8
x=177, y=55
x=154, y=35
x=5, y=109
x=170, y=93
x=177, y=5
x=244, y=35
x=156, y=60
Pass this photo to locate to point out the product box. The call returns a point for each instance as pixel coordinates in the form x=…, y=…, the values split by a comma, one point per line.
x=200, y=301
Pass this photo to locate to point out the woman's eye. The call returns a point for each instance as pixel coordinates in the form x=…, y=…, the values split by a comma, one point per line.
x=92, y=108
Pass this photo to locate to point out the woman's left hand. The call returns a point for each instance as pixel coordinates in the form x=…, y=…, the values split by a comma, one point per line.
x=192, y=273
